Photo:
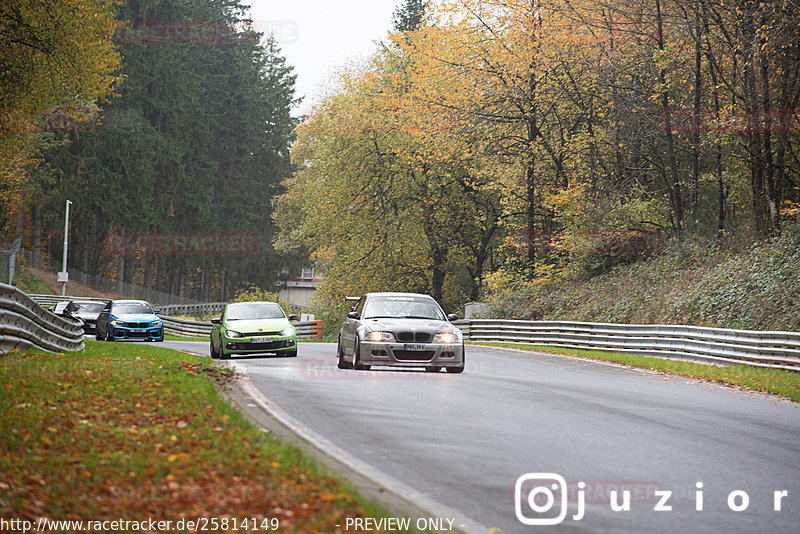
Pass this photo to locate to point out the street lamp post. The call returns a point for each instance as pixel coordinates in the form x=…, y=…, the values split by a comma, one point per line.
x=63, y=276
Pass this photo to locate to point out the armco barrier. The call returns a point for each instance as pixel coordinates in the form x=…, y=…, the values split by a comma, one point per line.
x=182, y=327
x=48, y=301
x=710, y=345
x=24, y=324
x=204, y=310
x=193, y=310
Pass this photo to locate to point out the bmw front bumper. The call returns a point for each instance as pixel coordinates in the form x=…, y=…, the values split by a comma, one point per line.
x=153, y=333
x=411, y=354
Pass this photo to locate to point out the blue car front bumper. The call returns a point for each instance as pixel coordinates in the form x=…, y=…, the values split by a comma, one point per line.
x=154, y=333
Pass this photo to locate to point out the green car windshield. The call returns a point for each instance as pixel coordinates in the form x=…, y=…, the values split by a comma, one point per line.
x=263, y=310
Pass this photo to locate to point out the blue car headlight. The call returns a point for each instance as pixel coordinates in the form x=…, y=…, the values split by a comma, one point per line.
x=156, y=323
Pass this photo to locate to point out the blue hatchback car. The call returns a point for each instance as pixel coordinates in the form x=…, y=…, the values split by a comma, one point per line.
x=129, y=319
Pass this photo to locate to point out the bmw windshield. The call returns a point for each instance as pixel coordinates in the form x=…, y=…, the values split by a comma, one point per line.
x=405, y=307
x=132, y=308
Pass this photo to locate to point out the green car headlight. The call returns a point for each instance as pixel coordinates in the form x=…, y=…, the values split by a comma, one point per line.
x=288, y=331
x=232, y=333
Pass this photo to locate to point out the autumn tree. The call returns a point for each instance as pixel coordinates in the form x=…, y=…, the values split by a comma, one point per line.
x=408, y=16
x=57, y=62
x=197, y=142
x=384, y=196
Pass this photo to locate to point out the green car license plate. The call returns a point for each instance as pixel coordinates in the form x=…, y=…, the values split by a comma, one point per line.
x=261, y=340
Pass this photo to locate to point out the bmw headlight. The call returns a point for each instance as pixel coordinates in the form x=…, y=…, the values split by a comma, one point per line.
x=445, y=337
x=117, y=322
x=232, y=333
x=156, y=323
x=377, y=335
x=288, y=331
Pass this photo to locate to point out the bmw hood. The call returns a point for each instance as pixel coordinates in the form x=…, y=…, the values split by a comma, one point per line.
x=136, y=317
x=413, y=325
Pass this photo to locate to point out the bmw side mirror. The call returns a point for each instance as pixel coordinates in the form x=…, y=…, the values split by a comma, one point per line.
x=292, y=317
x=353, y=315
x=453, y=317
x=216, y=320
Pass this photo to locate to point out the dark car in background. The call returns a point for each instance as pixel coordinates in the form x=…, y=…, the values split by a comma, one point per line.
x=86, y=311
x=400, y=330
x=129, y=319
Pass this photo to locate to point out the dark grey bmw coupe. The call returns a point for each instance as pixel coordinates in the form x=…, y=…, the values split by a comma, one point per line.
x=399, y=330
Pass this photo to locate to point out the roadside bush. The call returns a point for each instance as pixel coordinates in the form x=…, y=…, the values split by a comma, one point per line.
x=728, y=283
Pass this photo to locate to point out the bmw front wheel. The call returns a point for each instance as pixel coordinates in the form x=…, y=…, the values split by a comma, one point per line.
x=357, y=365
x=340, y=363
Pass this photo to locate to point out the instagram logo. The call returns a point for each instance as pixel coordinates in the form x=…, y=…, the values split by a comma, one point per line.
x=535, y=495
x=543, y=498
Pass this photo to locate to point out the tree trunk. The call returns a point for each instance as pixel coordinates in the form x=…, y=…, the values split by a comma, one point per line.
x=721, y=197
x=675, y=191
x=37, y=234
x=766, y=111
x=148, y=275
x=698, y=86
x=121, y=275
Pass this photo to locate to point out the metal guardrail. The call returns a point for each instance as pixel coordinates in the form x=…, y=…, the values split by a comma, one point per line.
x=194, y=310
x=48, y=301
x=25, y=324
x=22, y=323
x=779, y=350
x=186, y=328
x=205, y=309
x=170, y=310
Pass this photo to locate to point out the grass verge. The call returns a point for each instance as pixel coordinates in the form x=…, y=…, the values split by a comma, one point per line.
x=29, y=283
x=776, y=381
x=128, y=431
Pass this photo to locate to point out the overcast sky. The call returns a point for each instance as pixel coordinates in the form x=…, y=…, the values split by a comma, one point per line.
x=318, y=36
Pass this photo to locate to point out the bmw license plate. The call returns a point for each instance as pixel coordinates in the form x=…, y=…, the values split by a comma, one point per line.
x=138, y=330
x=408, y=346
x=261, y=340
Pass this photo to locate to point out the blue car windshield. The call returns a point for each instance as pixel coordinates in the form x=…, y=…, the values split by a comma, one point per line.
x=411, y=307
x=260, y=310
x=132, y=308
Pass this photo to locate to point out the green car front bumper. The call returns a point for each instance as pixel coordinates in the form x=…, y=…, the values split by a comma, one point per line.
x=253, y=345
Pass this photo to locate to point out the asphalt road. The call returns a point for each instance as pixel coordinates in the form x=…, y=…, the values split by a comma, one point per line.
x=464, y=440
